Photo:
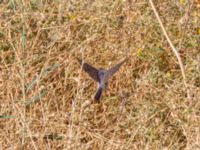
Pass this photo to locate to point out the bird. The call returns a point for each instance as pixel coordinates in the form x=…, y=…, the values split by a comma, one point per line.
x=101, y=76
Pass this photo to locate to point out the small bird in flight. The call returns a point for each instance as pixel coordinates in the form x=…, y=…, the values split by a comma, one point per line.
x=101, y=76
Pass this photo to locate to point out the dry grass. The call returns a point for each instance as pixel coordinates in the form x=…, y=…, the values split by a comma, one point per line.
x=47, y=103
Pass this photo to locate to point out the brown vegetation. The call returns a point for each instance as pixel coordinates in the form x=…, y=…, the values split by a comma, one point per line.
x=46, y=102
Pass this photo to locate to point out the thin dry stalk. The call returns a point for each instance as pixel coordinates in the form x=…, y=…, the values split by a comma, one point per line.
x=172, y=47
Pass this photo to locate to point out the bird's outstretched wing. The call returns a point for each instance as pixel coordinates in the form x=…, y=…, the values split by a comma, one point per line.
x=92, y=72
x=115, y=68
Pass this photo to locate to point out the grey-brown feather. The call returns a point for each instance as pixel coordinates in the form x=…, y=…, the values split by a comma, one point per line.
x=115, y=68
x=98, y=94
x=90, y=70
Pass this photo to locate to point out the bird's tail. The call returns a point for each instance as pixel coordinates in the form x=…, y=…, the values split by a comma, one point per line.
x=98, y=94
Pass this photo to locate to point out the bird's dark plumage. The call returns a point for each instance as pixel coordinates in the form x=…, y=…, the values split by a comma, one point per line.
x=98, y=94
x=100, y=75
x=93, y=72
x=115, y=68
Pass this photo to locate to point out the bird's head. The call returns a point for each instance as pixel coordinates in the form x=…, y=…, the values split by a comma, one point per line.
x=102, y=72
